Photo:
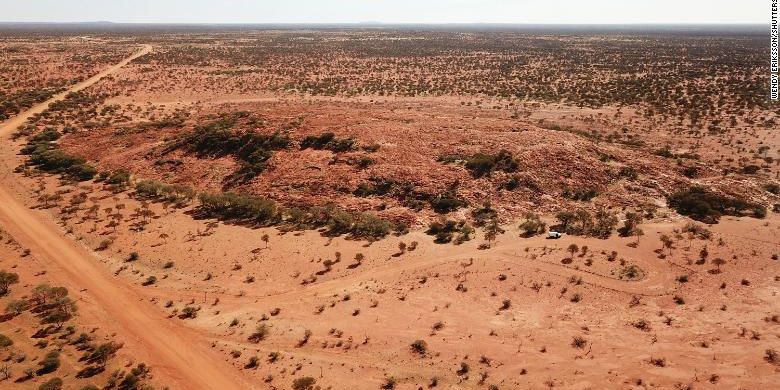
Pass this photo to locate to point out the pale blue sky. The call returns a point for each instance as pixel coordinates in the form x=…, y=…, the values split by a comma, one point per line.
x=387, y=11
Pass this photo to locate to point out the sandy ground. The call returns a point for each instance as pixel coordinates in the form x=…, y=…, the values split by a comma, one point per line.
x=511, y=313
x=363, y=318
x=166, y=346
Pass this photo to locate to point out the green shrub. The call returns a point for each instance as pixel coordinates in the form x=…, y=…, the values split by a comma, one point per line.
x=304, y=383
x=446, y=203
x=120, y=178
x=5, y=341
x=484, y=214
x=377, y=187
x=260, y=334
x=370, y=226
x=420, y=347
x=532, y=225
x=50, y=363
x=47, y=135
x=629, y=173
x=482, y=164
x=51, y=384
x=580, y=194
x=329, y=141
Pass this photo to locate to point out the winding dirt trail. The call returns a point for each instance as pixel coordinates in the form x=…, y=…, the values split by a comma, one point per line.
x=176, y=351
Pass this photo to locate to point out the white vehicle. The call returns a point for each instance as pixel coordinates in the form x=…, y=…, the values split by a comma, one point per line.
x=554, y=235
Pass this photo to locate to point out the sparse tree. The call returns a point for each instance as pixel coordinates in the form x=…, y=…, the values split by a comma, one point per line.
x=532, y=225
x=6, y=280
x=573, y=248
x=667, y=242
x=492, y=230
x=638, y=233
x=718, y=262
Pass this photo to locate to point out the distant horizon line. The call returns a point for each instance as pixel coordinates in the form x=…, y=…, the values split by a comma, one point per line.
x=398, y=23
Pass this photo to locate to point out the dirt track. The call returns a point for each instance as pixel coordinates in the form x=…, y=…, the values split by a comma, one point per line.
x=172, y=349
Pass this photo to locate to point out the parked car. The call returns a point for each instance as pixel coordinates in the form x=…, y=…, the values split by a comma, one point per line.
x=554, y=235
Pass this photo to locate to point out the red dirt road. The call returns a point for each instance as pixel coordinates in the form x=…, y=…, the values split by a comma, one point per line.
x=173, y=350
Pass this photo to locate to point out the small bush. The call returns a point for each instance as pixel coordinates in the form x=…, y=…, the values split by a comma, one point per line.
x=328, y=141
x=579, y=342
x=51, y=384
x=5, y=342
x=304, y=383
x=482, y=164
x=50, y=363
x=446, y=203
x=260, y=334
x=419, y=347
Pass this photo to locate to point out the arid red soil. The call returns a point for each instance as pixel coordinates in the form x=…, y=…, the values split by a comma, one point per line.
x=224, y=304
x=164, y=345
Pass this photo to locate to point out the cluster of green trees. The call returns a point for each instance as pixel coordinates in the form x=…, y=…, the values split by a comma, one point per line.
x=631, y=224
x=582, y=223
x=219, y=139
x=410, y=197
x=522, y=181
x=264, y=211
x=51, y=304
x=375, y=187
x=74, y=102
x=706, y=206
x=446, y=202
x=233, y=206
x=45, y=154
x=177, y=194
x=484, y=164
x=448, y=230
x=12, y=103
x=338, y=221
x=580, y=194
x=532, y=225
x=130, y=380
